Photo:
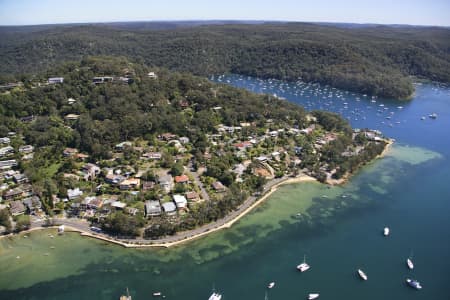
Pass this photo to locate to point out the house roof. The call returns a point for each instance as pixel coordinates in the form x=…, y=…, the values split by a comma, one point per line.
x=165, y=179
x=218, y=186
x=169, y=207
x=191, y=195
x=181, y=179
x=118, y=204
x=180, y=200
x=17, y=207
x=152, y=207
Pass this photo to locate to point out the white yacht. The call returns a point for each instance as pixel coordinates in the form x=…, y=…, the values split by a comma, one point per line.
x=215, y=296
x=414, y=284
x=386, y=231
x=410, y=263
x=271, y=285
x=303, y=266
x=362, y=274
x=313, y=296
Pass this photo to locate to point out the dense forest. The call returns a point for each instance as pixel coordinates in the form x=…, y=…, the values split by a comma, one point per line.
x=112, y=113
x=376, y=60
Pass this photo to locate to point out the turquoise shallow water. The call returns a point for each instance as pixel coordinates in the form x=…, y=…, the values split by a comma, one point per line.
x=339, y=230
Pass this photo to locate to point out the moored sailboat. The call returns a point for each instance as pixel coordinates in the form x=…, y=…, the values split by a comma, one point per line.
x=215, y=296
x=303, y=266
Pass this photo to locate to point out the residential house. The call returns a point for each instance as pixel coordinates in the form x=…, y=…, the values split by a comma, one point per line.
x=166, y=182
x=243, y=145
x=71, y=117
x=69, y=152
x=27, y=190
x=183, y=179
x=167, y=136
x=81, y=156
x=102, y=79
x=273, y=133
x=6, y=151
x=131, y=210
x=74, y=193
x=148, y=185
x=218, y=187
x=169, y=208
x=152, y=208
x=26, y=149
x=152, y=155
x=118, y=205
x=92, y=203
x=114, y=178
x=121, y=146
x=308, y=130
x=17, y=208
x=183, y=103
x=192, y=196
x=130, y=184
x=20, y=178
x=71, y=101
x=28, y=119
x=180, y=201
x=184, y=140
x=8, y=164
x=90, y=171
x=5, y=140
x=239, y=169
x=152, y=75
x=54, y=80
x=13, y=193
x=33, y=204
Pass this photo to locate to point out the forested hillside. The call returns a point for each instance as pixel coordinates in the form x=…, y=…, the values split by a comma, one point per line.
x=111, y=113
x=372, y=60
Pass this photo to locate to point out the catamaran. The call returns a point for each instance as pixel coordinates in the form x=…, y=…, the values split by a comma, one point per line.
x=127, y=297
x=215, y=296
x=303, y=266
x=362, y=274
x=313, y=296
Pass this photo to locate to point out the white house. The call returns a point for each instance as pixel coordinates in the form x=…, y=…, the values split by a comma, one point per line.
x=53, y=80
x=74, y=193
x=180, y=201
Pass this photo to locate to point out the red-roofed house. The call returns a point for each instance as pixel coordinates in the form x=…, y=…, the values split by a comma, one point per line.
x=182, y=179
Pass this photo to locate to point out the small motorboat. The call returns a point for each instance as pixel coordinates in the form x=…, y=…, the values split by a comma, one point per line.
x=409, y=263
x=362, y=274
x=386, y=231
x=413, y=283
x=271, y=285
x=157, y=294
x=313, y=296
x=432, y=116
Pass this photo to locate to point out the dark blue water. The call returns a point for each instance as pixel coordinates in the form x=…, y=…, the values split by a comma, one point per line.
x=408, y=190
